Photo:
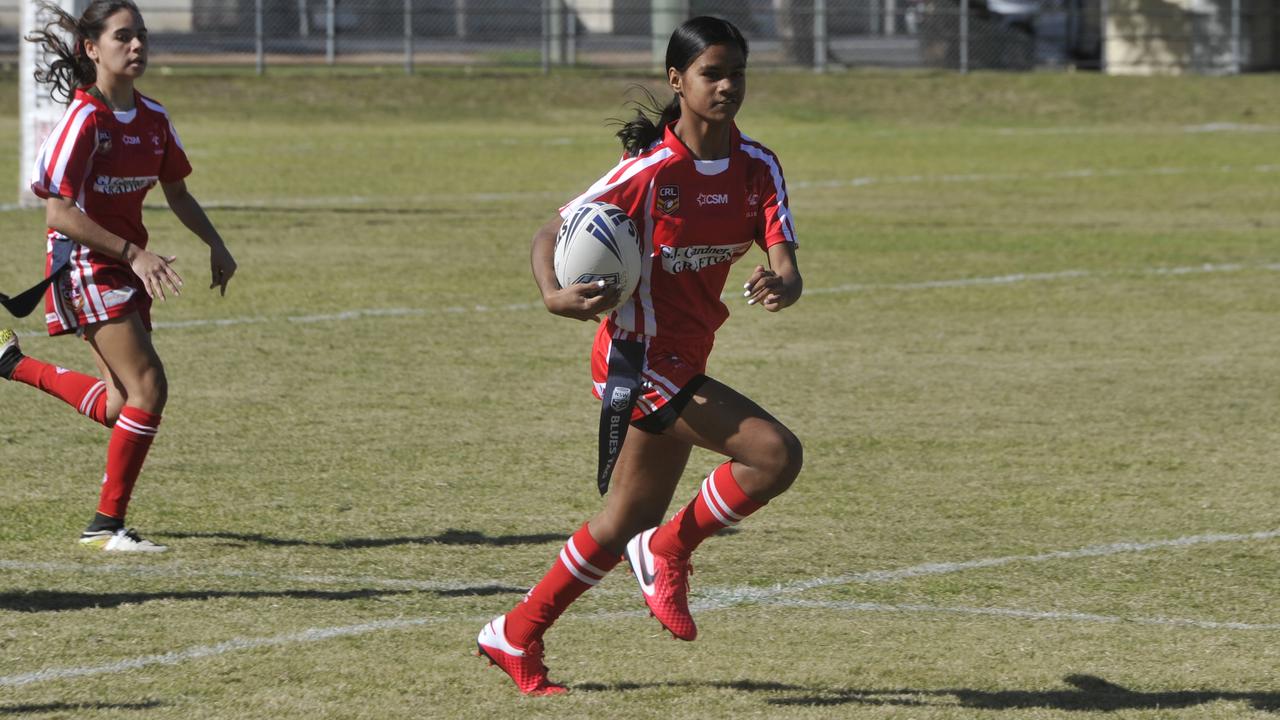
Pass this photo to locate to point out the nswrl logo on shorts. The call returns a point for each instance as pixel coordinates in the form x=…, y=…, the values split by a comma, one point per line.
x=621, y=399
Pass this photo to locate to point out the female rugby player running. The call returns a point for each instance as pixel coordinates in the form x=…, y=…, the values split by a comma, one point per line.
x=112, y=145
x=701, y=194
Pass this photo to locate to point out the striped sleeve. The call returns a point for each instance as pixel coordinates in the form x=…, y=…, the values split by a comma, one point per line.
x=774, y=223
x=625, y=185
x=63, y=162
x=176, y=166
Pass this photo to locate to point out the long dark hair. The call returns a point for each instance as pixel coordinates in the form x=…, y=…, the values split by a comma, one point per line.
x=686, y=44
x=72, y=68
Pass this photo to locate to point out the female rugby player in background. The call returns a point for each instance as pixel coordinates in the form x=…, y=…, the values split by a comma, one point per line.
x=701, y=194
x=111, y=147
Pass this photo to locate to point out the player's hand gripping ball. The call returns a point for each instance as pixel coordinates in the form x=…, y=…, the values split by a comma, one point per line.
x=599, y=242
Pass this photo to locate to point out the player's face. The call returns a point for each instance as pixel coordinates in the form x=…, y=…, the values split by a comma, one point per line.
x=714, y=85
x=121, y=49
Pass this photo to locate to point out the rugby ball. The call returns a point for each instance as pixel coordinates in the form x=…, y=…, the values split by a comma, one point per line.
x=598, y=241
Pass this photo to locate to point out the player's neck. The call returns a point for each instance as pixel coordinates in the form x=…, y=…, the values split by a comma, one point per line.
x=706, y=141
x=117, y=93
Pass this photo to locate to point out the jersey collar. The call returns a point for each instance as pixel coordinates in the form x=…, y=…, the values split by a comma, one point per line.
x=671, y=140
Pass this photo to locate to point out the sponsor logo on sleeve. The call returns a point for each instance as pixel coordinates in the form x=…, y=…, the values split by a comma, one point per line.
x=669, y=199
x=753, y=204
x=122, y=185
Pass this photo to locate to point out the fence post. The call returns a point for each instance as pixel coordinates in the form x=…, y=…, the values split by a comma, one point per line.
x=330, y=31
x=819, y=36
x=1237, y=49
x=570, y=35
x=1104, y=10
x=460, y=19
x=259, y=52
x=408, y=37
x=665, y=16
x=964, y=36
x=546, y=37
x=890, y=17
x=555, y=30
x=304, y=22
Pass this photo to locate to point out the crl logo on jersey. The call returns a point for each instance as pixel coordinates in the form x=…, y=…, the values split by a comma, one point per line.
x=713, y=199
x=669, y=199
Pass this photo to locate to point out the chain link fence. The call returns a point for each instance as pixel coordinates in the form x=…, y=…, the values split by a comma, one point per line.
x=1123, y=36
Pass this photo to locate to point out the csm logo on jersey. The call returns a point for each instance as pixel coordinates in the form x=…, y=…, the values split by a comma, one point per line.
x=122, y=185
x=695, y=258
x=713, y=199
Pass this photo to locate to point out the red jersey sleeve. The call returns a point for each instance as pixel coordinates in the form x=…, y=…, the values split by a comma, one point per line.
x=773, y=224
x=626, y=185
x=65, y=157
x=175, y=166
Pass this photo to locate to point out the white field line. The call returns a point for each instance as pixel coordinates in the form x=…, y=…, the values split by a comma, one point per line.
x=1016, y=613
x=406, y=312
x=312, y=635
x=711, y=596
x=753, y=594
x=204, y=651
x=717, y=599
x=332, y=201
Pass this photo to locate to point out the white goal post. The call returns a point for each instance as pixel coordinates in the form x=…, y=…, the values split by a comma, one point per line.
x=39, y=112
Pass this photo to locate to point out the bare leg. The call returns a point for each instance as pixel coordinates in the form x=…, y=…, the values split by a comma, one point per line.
x=766, y=455
x=648, y=470
x=122, y=347
x=116, y=394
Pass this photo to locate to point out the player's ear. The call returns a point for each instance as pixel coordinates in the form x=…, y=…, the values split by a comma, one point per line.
x=674, y=80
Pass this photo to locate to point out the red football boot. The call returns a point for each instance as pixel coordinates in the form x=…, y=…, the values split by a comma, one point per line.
x=524, y=666
x=664, y=582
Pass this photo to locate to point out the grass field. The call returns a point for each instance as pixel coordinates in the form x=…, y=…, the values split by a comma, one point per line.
x=1035, y=372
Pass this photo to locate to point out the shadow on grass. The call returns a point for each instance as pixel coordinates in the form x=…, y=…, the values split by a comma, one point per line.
x=1089, y=693
x=448, y=537
x=332, y=209
x=34, y=709
x=35, y=601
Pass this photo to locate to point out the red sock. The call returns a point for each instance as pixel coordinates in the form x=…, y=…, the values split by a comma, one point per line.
x=719, y=504
x=130, y=440
x=581, y=565
x=88, y=395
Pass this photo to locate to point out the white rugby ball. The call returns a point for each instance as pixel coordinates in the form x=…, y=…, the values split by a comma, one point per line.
x=599, y=242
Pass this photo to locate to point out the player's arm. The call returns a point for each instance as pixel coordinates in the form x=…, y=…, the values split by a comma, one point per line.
x=779, y=285
x=184, y=205
x=155, y=271
x=581, y=301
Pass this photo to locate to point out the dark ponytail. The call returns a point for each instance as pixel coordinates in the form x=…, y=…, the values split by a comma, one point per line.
x=686, y=44
x=71, y=67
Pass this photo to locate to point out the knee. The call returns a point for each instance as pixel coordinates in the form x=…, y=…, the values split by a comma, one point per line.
x=151, y=390
x=781, y=457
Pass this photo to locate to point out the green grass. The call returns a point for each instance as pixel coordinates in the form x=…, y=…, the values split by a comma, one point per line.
x=422, y=468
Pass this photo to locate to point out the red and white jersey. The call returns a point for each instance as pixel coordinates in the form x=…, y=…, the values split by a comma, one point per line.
x=108, y=161
x=695, y=217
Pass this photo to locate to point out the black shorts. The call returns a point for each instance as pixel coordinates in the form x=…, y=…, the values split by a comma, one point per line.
x=657, y=422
